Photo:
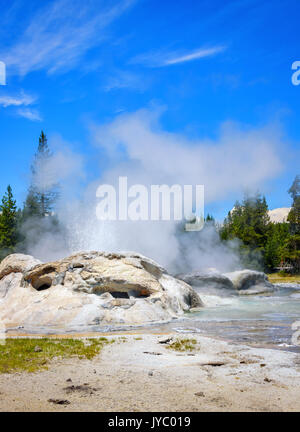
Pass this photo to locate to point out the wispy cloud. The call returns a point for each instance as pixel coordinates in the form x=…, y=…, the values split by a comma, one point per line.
x=29, y=114
x=195, y=55
x=59, y=34
x=126, y=80
x=22, y=102
x=161, y=59
x=17, y=100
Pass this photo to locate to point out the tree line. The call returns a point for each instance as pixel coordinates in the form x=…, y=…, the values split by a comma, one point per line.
x=274, y=245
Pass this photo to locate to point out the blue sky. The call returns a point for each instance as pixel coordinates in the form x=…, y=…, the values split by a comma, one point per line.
x=71, y=64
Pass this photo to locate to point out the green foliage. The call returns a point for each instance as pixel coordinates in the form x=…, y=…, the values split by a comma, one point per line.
x=249, y=222
x=277, y=244
x=275, y=248
x=31, y=355
x=32, y=206
x=209, y=218
x=292, y=244
x=8, y=224
x=283, y=273
x=182, y=345
x=292, y=251
x=294, y=215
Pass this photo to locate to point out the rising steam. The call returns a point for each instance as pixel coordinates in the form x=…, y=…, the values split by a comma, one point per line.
x=134, y=145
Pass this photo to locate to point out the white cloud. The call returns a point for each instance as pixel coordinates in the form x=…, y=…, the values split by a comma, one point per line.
x=194, y=55
x=126, y=80
x=30, y=114
x=23, y=102
x=19, y=100
x=161, y=59
x=59, y=34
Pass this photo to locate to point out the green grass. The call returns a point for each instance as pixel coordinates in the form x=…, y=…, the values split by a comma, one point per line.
x=183, y=345
x=18, y=355
x=282, y=277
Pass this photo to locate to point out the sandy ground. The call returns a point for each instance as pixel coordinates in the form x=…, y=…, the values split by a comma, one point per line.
x=130, y=376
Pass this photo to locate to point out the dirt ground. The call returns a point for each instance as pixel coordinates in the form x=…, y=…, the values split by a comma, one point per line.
x=136, y=374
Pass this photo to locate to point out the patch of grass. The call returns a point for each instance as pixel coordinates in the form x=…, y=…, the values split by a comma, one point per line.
x=283, y=277
x=31, y=355
x=183, y=345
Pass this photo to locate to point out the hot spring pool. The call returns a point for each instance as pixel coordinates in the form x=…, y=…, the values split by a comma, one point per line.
x=264, y=320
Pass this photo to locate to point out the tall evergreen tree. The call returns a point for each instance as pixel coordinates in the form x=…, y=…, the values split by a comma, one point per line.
x=8, y=223
x=292, y=246
x=294, y=215
x=248, y=222
x=32, y=208
x=275, y=249
x=42, y=193
x=38, y=219
x=209, y=218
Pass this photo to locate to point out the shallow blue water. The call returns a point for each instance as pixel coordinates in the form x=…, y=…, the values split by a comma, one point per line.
x=258, y=320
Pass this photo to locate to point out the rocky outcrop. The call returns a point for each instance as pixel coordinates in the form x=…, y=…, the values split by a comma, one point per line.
x=242, y=282
x=207, y=279
x=248, y=282
x=90, y=288
x=17, y=263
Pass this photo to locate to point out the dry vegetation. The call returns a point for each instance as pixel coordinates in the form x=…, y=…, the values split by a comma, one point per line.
x=282, y=277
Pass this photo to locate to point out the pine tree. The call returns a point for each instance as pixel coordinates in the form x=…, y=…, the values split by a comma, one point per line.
x=248, y=222
x=8, y=223
x=292, y=246
x=209, y=218
x=46, y=193
x=42, y=193
x=275, y=249
x=38, y=218
x=32, y=208
x=294, y=214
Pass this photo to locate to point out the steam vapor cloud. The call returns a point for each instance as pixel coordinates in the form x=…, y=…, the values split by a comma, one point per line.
x=136, y=146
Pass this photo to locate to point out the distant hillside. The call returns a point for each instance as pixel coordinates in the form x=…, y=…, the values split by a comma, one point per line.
x=279, y=214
